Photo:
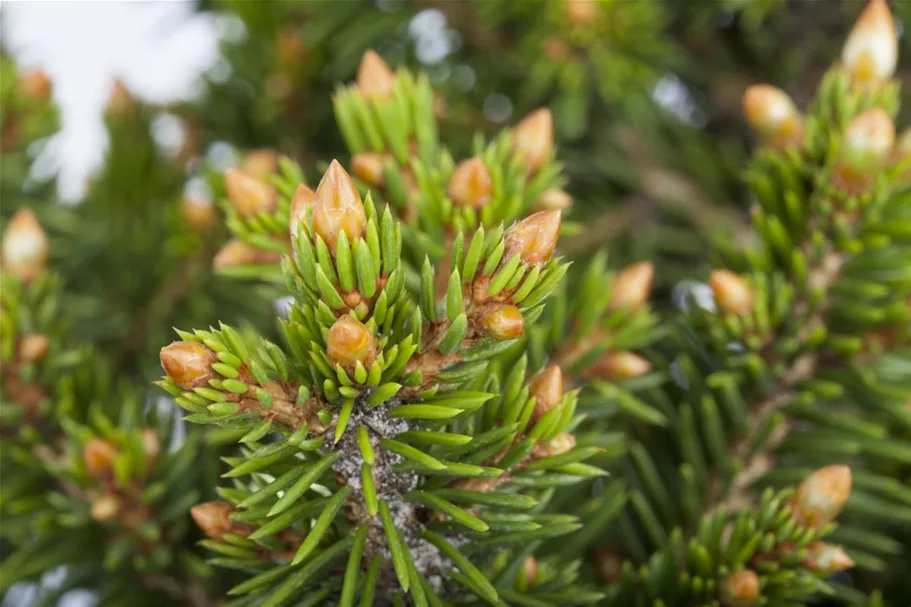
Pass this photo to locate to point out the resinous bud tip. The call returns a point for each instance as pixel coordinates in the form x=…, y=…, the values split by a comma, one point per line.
x=870, y=54
x=338, y=207
x=188, y=363
x=374, y=78
x=471, y=184
x=535, y=237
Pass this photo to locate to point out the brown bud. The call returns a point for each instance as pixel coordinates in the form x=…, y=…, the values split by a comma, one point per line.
x=188, y=363
x=374, y=78
x=827, y=558
x=213, y=518
x=504, y=322
x=471, y=184
x=608, y=565
x=304, y=199
x=25, y=246
x=867, y=141
x=288, y=47
x=151, y=446
x=198, y=213
x=620, y=364
x=581, y=12
x=547, y=388
x=120, y=99
x=33, y=347
x=98, y=456
x=554, y=199
x=235, y=252
x=529, y=572
x=35, y=85
x=556, y=49
x=739, y=589
x=732, y=294
x=248, y=194
x=772, y=115
x=260, y=162
x=350, y=341
x=535, y=237
x=558, y=445
x=870, y=53
x=368, y=166
x=105, y=507
x=533, y=138
x=822, y=495
x=338, y=207
x=632, y=286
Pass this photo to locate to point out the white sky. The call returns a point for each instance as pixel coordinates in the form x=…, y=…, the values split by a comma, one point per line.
x=157, y=48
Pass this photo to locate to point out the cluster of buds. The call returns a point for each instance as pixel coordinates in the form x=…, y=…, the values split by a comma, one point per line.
x=821, y=496
x=866, y=146
x=471, y=184
x=25, y=246
x=732, y=294
x=773, y=115
x=533, y=139
x=739, y=589
x=870, y=54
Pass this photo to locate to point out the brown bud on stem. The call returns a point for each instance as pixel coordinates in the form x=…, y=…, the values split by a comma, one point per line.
x=554, y=199
x=535, y=237
x=821, y=496
x=547, y=388
x=620, y=364
x=732, y=294
x=773, y=115
x=35, y=85
x=471, y=184
x=533, y=138
x=739, y=589
x=338, y=207
x=33, y=347
x=368, y=166
x=248, y=193
x=349, y=342
x=504, y=322
x=25, y=246
x=213, y=518
x=98, y=456
x=529, y=572
x=151, y=446
x=867, y=141
x=120, y=99
x=581, y=12
x=870, y=53
x=374, y=78
x=632, y=286
x=608, y=565
x=260, y=162
x=304, y=199
x=188, y=363
x=198, y=213
x=558, y=445
x=827, y=558
x=235, y=253
x=105, y=507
